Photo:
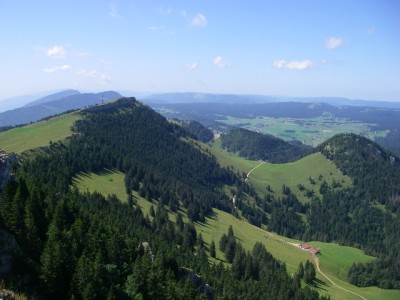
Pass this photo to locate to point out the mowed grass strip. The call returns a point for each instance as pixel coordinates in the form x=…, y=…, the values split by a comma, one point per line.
x=38, y=134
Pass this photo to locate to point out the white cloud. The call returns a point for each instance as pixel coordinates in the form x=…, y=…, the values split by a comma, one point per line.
x=191, y=66
x=199, y=20
x=57, y=69
x=221, y=62
x=55, y=52
x=294, y=65
x=333, y=42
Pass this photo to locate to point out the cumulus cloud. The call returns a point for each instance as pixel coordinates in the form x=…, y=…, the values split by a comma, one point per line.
x=191, y=66
x=221, y=62
x=294, y=65
x=199, y=20
x=333, y=42
x=57, y=69
x=55, y=52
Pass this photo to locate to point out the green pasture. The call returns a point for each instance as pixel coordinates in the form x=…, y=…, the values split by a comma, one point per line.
x=38, y=134
x=315, y=166
x=337, y=260
x=311, y=131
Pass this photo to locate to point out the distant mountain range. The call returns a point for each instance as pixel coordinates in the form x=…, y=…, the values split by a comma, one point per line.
x=253, y=99
x=54, y=104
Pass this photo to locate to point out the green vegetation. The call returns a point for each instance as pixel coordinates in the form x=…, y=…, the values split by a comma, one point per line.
x=306, y=174
x=255, y=146
x=38, y=134
x=315, y=167
x=107, y=183
x=335, y=260
x=75, y=236
x=310, y=131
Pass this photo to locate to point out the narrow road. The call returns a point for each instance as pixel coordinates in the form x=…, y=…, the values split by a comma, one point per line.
x=248, y=174
x=316, y=260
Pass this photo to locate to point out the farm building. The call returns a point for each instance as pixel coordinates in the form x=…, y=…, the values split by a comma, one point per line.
x=309, y=248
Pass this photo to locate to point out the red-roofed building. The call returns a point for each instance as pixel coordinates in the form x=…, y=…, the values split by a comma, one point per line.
x=305, y=246
x=313, y=250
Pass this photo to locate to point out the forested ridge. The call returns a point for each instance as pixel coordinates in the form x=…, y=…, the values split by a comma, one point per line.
x=85, y=246
x=258, y=146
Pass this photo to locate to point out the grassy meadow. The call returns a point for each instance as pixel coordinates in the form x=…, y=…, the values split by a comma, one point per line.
x=38, y=134
x=314, y=166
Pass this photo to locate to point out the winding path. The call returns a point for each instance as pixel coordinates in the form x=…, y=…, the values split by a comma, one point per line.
x=316, y=260
x=248, y=174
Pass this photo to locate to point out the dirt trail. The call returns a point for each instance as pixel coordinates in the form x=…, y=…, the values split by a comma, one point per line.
x=316, y=260
x=248, y=174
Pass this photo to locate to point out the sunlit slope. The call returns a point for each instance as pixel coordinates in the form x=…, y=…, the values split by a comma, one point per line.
x=310, y=172
x=335, y=260
x=38, y=134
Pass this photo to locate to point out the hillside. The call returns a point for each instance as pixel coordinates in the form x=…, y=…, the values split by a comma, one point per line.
x=114, y=143
x=335, y=260
x=28, y=114
x=38, y=134
x=353, y=209
x=257, y=146
x=86, y=245
x=197, y=129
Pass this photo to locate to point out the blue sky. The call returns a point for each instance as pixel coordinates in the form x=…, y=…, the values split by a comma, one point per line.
x=288, y=48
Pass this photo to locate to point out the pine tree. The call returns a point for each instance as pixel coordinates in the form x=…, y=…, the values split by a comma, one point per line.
x=212, y=249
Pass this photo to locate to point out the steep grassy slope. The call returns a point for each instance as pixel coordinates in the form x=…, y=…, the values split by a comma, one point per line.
x=38, y=134
x=310, y=172
x=305, y=172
